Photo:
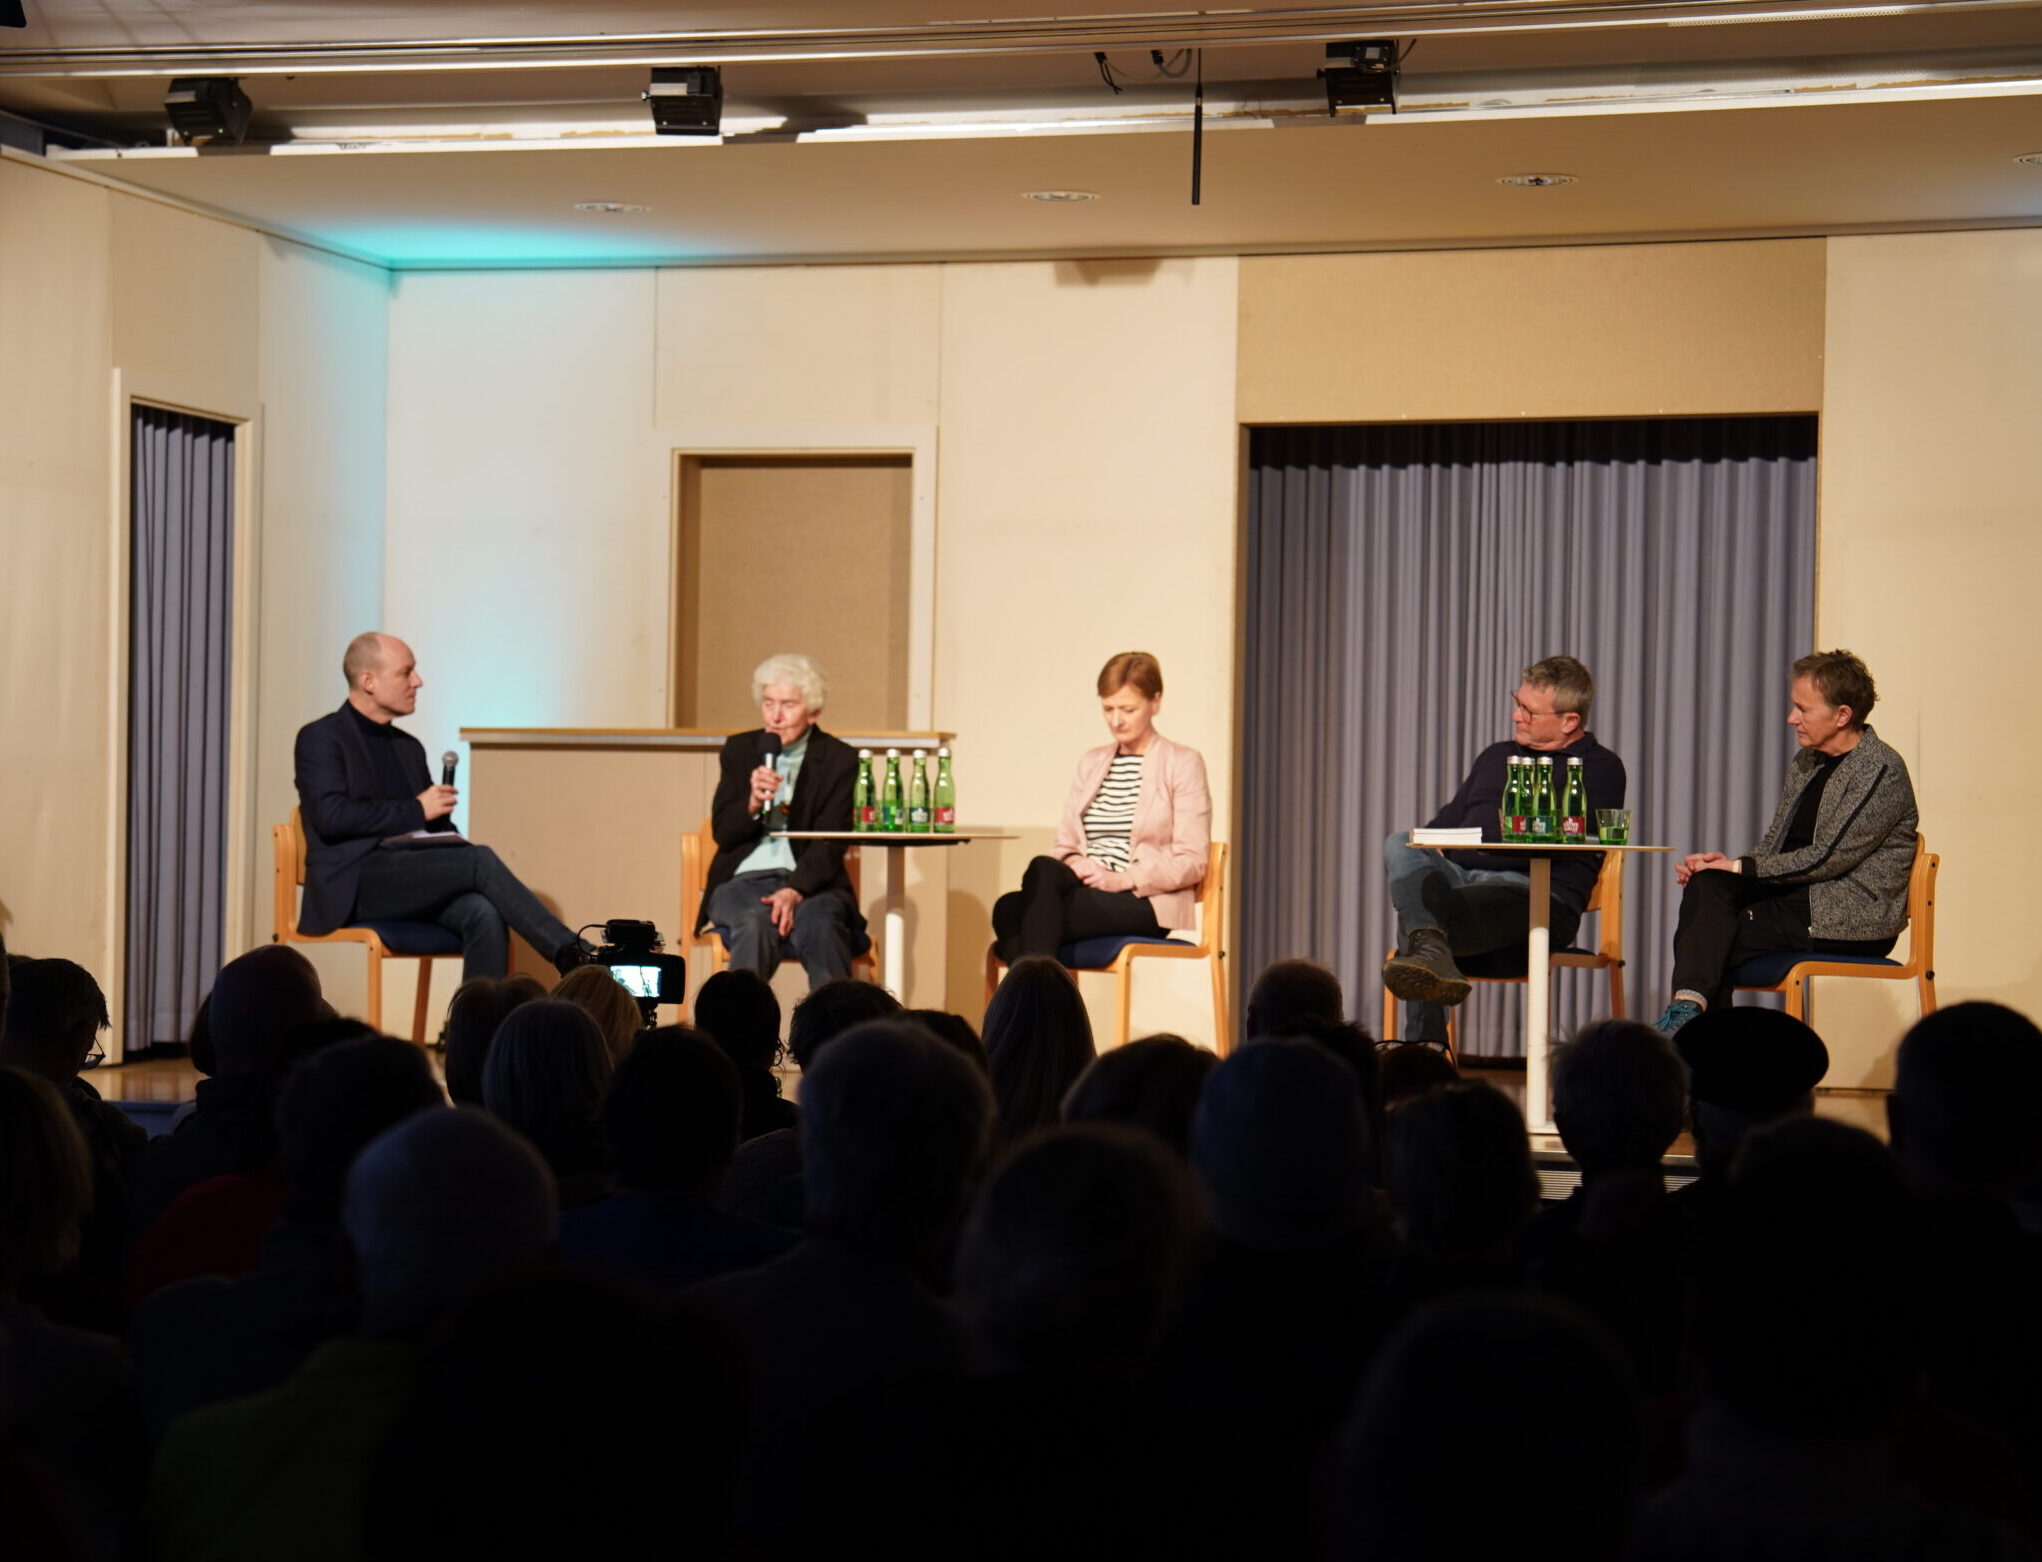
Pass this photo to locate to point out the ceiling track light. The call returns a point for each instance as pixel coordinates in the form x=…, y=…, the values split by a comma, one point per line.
x=1361, y=75
x=204, y=109
x=687, y=101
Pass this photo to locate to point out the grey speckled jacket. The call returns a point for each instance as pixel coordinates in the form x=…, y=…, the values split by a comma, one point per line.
x=1856, y=867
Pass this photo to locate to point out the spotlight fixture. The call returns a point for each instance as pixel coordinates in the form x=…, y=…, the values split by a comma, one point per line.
x=687, y=101
x=207, y=108
x=1361, y=75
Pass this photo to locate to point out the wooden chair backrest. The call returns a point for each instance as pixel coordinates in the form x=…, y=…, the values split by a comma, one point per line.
x=1212, y=898
x=1606, y=899
x=1921, y=907
x=288, y=839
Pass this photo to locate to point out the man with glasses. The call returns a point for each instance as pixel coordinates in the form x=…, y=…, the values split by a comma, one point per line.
x=1476, y=906
x=55, y=1014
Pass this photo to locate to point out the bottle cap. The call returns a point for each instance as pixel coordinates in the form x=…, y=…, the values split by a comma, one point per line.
x=1575, y=760
x=942, y=753
x=893, y=753
x=865, y=753
x=1545, y=759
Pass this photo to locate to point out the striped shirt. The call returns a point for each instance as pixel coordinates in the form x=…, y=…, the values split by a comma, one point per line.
x=1109, y=818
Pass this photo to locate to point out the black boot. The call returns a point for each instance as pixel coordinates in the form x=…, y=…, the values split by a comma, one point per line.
x=1425, y=972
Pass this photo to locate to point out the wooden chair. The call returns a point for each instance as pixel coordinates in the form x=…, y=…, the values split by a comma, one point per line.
x=698, y=850
x=1606, y=904
x=1117, y=954
x=1790, y=972
x=420, y=941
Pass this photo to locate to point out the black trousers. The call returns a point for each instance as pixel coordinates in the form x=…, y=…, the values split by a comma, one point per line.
x=468, y=891
x=1727, y=919
x=1052, y=908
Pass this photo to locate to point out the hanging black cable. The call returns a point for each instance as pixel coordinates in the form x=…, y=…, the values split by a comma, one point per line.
x=1198, y=125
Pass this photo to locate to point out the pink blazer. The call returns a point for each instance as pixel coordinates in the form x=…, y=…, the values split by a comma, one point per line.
x=1172, y=825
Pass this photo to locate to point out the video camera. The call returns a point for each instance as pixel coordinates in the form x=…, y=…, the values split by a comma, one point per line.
x=631, y=952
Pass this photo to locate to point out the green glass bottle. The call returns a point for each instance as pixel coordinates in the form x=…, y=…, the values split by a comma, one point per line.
x=892, y=813
x=864, y=810
x=1574, y=806
x=946, y=795
x=918, y=800
x=1513, y=800
x=1545, y=818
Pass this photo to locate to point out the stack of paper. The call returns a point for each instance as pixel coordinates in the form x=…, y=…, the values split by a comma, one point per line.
x=1471, y=836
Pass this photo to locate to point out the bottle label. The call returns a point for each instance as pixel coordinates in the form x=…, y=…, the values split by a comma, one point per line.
x=868, y=817
x=918, y=818
x=1574, y=828
x=1539, y=827
x=946, y=819
x=1520, y=826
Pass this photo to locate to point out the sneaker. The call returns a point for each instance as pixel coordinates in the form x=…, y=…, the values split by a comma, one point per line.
x=1677, y=1014
x=1425, y=972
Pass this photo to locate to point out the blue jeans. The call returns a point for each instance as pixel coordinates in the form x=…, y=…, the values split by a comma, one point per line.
x=1493, y=918
x=821, y=939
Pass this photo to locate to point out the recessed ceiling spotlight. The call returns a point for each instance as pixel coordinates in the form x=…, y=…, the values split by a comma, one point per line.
x=610, y=208
x=1056, y=196
x=2029, y=157
x=1536, y=181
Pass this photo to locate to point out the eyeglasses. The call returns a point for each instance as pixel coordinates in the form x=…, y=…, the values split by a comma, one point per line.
x=95, y=1057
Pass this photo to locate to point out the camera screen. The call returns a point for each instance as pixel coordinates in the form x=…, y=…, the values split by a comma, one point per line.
x=640, y=981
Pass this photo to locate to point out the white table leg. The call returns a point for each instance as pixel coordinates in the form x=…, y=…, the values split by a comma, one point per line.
x=1538, y=999
x=893, y=947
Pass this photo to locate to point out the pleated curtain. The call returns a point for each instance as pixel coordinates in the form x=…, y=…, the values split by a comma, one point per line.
x=1400, y=576
x=179, y=633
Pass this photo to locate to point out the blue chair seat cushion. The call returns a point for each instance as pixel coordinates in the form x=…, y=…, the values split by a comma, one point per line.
x=414, y=938
x=1095, y=954
x=1771, y=970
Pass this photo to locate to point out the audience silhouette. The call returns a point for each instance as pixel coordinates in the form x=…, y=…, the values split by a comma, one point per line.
x=1009, y=1300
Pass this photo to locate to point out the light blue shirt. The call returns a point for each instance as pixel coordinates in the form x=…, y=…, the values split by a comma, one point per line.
x=776, y=851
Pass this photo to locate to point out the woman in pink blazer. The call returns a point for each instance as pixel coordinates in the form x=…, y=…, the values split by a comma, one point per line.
x=1132, y=844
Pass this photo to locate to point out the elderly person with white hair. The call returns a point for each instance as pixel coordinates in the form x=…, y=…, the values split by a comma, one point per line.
x=787, y=775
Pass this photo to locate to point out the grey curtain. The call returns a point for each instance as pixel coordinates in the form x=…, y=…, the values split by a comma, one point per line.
x=1399, y=576
x=180, y=623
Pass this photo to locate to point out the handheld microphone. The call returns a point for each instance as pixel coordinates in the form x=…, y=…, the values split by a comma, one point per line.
x=769, y=754
x=448, y=761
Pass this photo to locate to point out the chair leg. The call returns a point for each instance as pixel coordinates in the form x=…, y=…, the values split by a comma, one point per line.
x=1925, y=989
x=1126, y=1004
x=422, y=1000
x=1389, y=1031
x=1616, y=993
x=375, y=1006
x=1222, y=1037
x=1453, y=1035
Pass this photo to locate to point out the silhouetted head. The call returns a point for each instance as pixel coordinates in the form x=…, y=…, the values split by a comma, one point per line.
x=953, y=1029
x=739, y=1011
x=1966, y=1108
x=1038, y=1041
x=609, y=1004
x=895, y=1131
x=479, y=1006
x=1074, y=1250
x=45, y=1179
x=1153, y=1083
x=438, y=1210
x=1545, y=1383
x=1460, y=1174
x=1747, y=1065
x=335, y=1104
x=258, y=999
x=53, y=1020
x=1291, y=994
x=1619, y=1096
x=673, y=1111
x=527, y=1433
x=1280, y=1147
x=830, y=1010
x=1410, y=1069
x=547, y=1073
x=1806, y=1309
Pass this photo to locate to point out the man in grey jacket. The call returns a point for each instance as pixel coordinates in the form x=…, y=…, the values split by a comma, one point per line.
x=1831, y=875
